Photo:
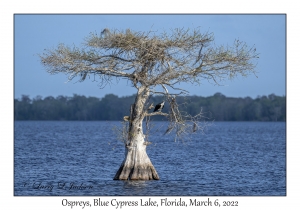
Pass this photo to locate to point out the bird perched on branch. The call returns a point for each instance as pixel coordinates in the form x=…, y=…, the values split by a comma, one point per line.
x=159, y=106
x=105, y=32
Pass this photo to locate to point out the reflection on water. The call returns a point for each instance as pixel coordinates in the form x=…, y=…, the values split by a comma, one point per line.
x=135, y=187
x=135, y=184
x=232, y=158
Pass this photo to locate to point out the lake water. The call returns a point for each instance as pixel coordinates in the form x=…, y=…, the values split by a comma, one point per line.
x=81, y=158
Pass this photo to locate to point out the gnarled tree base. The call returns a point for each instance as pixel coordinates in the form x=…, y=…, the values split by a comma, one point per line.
x=136, y=173
x=136, y=166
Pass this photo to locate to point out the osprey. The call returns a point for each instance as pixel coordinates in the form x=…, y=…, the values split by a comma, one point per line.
x=159, y=107
x=105, y=32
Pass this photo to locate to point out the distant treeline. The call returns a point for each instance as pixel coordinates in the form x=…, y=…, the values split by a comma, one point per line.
x=217, y=107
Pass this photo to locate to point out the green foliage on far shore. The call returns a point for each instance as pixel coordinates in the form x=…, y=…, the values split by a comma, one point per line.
x=217, y=107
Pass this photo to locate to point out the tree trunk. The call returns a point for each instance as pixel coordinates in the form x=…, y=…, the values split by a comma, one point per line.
x=137, y=164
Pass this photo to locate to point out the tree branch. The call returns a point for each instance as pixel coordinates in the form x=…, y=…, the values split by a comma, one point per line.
x=149, y=60
x=156, y=113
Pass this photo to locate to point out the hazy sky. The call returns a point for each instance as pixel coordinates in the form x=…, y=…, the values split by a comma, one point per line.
x=34, y=33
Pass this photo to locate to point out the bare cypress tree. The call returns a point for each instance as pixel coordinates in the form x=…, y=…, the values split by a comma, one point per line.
x=149, y=60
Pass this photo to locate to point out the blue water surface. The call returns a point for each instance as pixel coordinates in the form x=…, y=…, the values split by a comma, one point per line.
x=81, y=158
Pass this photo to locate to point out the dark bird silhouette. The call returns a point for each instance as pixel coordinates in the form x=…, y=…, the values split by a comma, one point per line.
x=159, y=107
x=105, y=32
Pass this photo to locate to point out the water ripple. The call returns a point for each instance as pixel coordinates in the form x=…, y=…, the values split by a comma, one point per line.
x=232, y=158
